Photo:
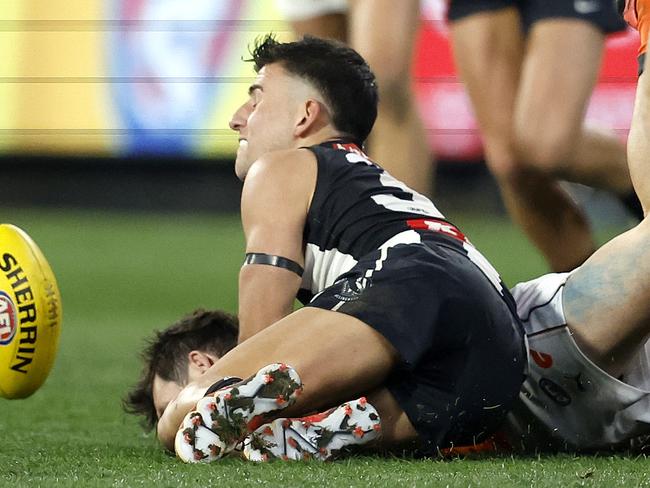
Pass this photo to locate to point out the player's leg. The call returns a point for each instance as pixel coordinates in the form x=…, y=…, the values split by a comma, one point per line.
x=329, y=26
x=562, y=62
x=337, y=357
x=320, y=18
x=396, y=428
x=489, y=48
x=398, y=139
x=606, y=299
x=638, y=145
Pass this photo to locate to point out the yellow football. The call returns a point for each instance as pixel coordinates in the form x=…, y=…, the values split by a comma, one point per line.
x=30, y=314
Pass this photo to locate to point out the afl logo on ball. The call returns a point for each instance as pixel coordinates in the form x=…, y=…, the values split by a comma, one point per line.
x=8, y=319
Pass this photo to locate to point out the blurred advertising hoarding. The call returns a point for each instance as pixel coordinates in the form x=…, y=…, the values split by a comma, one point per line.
x=126, y=77
x=162, y=77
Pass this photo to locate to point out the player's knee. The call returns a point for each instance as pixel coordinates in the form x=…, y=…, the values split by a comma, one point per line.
x=547, y=151
x=502, y=161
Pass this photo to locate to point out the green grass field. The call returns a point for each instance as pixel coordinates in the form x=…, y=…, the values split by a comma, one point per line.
x=123, y=275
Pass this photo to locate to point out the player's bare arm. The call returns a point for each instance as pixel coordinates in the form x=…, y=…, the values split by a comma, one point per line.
x=275, y=202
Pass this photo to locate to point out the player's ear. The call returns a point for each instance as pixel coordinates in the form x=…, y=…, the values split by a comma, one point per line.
x=200, y=360
x=310, y=117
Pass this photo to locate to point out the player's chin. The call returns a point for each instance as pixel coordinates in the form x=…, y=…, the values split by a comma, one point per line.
x=239, y=173
x=241, y=164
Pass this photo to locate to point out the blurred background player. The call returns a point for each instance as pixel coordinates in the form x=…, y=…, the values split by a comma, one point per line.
x=384, y=33
x=530, y=67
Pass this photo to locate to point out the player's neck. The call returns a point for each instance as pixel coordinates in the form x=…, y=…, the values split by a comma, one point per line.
x=318, y=137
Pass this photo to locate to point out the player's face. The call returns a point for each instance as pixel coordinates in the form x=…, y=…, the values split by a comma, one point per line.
x=163, y=391
x=266, y=122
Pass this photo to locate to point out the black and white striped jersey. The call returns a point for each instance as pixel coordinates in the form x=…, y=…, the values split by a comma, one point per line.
x=356, y=207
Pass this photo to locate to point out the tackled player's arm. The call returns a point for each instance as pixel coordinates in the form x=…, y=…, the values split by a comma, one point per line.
x=275, y=201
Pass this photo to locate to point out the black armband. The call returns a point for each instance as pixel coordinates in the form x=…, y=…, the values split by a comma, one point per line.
x=271, y=260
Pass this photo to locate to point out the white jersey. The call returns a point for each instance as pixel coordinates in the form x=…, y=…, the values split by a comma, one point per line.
x=567, y=402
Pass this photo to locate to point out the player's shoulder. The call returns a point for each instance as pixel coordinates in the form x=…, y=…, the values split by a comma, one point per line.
x=287, y=166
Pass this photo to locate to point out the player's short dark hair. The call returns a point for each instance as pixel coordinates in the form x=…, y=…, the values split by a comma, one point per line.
x=340, y=74
x=166, y=355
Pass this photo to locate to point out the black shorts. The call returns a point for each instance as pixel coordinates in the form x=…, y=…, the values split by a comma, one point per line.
x=601, y=13
x=460, y=342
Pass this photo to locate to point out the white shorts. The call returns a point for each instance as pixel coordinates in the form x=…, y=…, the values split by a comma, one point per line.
x=567, y=402
x=307, y=9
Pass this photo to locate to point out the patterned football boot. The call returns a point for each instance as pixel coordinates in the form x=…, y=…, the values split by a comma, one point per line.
x=224, y=418
x=321, y=437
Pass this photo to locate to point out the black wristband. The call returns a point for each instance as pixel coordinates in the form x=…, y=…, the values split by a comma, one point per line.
x=271, y=260
x=222, y=383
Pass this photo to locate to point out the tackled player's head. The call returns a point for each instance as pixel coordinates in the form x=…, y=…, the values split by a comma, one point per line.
x=303, y=88
x=177, y=355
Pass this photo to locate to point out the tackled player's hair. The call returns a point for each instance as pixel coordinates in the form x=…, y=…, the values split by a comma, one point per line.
x=166, y=355
x=337, y=71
